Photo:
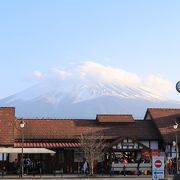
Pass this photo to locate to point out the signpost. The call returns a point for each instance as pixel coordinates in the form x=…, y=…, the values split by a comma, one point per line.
x=157, y=167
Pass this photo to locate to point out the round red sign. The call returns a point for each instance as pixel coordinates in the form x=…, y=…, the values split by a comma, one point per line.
x=158, y=163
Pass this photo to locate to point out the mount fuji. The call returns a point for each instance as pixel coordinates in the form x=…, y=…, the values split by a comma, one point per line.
x=86, y=90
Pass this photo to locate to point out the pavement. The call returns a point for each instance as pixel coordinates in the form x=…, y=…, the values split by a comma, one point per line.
x=76, y=177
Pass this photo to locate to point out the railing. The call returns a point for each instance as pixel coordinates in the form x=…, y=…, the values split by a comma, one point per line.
x=131, y=167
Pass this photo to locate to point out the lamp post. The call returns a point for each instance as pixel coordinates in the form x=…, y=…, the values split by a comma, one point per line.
x=22, y=125
x=175, y=126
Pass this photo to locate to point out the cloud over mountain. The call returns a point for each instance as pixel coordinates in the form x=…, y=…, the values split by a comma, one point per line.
x=86, y=89
x=93, y=72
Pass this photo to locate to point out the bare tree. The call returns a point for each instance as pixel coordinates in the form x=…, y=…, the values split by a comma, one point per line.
x=92, y=144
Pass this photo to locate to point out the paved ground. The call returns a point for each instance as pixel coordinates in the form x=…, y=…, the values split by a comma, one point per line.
x=96, y=178
x=68, y=177
x=120, y=178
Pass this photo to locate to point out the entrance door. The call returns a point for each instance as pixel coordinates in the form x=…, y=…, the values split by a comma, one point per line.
x=131, y=156
x=69, y=161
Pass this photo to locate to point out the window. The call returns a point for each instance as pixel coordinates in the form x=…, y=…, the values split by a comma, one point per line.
x=78, y=156
x=1, y=157
x=60, y=156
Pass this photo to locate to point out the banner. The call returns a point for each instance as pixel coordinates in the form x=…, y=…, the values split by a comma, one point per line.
x=157, y=167
x=150, y=153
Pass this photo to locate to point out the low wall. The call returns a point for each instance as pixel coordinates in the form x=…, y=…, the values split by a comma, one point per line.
x=131, y=167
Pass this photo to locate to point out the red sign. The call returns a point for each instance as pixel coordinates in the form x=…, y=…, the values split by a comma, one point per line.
x=150, y=153
x=146, y=153
x=155, y=152
x=158, y=163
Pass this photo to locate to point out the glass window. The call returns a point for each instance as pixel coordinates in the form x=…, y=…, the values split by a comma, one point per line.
x=154, y=144
x=1, y=157
x=136, y=146
x=60, y=156
x=125, y=140
x=124, y=147
x=119, y=146
x=78, y=156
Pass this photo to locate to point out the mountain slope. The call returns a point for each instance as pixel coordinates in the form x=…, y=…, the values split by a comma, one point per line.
x=89, y=89
x=83, y=101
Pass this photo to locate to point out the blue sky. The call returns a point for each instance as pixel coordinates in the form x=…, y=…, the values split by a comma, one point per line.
x=138, y=36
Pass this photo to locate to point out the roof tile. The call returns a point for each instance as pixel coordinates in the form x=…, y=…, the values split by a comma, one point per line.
x=114, y=118
x=164, y=119
x=55, y=129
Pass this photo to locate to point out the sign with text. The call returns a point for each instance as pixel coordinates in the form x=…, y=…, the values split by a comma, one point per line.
x=157, y=167
x=150, y=153
x=155, y=152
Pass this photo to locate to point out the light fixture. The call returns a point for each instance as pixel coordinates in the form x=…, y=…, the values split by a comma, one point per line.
x=22, y=124
x=175, y=126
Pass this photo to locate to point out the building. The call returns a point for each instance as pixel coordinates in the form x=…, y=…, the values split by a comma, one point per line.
x=124, y=136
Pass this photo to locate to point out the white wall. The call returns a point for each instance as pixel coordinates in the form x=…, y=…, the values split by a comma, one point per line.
x=154, y=144
x=146, y=143
x=12, y=157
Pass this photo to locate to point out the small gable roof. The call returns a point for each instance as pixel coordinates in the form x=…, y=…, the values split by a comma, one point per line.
x=162, y=112
x=115, y=118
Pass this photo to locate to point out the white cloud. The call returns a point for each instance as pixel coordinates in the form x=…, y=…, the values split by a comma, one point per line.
x=158, y=83
x=106, y=74
x=39, y=75
x=96, y=73
x=61, y=73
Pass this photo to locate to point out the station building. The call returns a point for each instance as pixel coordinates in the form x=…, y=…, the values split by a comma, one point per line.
x=54, y=142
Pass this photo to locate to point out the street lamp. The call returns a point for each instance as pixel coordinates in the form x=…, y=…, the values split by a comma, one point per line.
x=22, y=125
x=175, y=126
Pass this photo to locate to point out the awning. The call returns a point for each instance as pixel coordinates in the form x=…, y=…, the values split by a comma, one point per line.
x=47, y=145
x=11, y=150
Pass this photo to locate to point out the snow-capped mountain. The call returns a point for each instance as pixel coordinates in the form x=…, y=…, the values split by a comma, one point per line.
x=81, y=94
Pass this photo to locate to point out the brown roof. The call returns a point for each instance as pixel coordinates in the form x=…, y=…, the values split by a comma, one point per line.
x=164, y=119
x=114, y=118
x=58, y=129
x=162, y=112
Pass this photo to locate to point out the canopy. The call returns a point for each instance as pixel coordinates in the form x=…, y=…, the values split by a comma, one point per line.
x=46, y=144
x=11, y=150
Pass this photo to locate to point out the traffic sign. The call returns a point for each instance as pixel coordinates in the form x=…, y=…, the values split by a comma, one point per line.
x=157, y=167
x=158, y=163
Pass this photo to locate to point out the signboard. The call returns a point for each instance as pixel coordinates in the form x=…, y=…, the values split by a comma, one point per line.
x=158, y=164
x=157, y=175
x=146, y=153
x=157, y=167
x=155, y=152
x=150, y=153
